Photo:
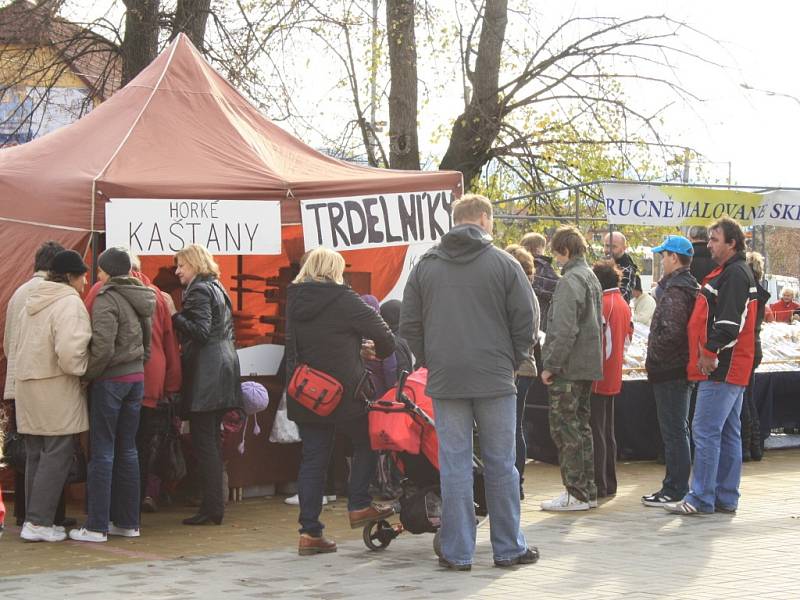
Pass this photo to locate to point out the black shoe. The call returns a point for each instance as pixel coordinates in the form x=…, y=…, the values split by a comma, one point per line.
x=530, y=556
x=202, y=520
x=724, y=509
x=657, y=499
x=443, y=562
x=68, y=523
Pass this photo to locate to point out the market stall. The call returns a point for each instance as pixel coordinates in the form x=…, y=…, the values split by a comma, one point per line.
x=180, y=156
x=777, y=380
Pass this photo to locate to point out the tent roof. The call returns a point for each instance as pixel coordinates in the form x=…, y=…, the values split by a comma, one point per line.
x=179, y=130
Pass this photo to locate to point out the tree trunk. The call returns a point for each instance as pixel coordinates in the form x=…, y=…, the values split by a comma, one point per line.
x=403, y=142
x=140, y=44
x=190, y=18
x=476, y=129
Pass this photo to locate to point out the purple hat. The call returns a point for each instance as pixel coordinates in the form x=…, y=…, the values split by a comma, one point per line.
x=372, y=302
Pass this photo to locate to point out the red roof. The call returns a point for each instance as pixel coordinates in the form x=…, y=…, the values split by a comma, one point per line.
x=91, y=57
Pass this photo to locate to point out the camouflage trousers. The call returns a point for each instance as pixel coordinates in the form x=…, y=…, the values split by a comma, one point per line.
x=570, y=409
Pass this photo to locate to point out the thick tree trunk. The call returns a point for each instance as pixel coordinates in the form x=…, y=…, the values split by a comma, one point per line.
x=140, y=44
x=191, y=17
x=403, y=141
x=476, y=129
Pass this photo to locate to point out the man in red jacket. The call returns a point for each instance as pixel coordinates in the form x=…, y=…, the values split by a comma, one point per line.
x=721, y=350
x=617, y=332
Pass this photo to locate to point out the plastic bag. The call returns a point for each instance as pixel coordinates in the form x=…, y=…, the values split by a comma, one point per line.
x=283, y=431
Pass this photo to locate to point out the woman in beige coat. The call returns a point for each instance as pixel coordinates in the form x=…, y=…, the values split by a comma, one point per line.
x=52, y=353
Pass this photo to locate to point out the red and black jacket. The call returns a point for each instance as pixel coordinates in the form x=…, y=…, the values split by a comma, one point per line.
x=723, y=323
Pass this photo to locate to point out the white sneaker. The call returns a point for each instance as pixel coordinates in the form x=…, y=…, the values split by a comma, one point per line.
x=122, y=531
x=295, y=500
x=40, y=533
x=331, y=498
x=86, y=535
x=564, y=503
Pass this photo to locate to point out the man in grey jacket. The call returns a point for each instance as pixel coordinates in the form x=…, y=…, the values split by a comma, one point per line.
x=468, y=315
x=572, y=358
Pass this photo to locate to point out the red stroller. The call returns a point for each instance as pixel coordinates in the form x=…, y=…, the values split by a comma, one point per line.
x=402, y=422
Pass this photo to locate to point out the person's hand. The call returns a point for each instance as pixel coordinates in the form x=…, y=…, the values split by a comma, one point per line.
x=547, y=377
x=368, y=350
x=707, y=364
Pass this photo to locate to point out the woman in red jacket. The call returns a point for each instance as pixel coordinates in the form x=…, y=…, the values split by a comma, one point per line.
x=617, y=331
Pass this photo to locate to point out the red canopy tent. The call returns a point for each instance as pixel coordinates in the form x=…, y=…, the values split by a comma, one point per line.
x=181, y=131
x=178, y=130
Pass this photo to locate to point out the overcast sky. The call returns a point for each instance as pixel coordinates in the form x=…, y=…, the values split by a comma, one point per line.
x=757, y=132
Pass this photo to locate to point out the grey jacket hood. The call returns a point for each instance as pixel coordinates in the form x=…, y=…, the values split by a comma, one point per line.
x=462, y=244
x=140, y=297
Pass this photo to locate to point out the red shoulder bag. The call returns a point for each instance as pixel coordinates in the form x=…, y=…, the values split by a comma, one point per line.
x=314, y=389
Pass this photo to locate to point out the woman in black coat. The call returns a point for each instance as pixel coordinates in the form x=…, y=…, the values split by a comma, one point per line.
x=328, y=323
x=210, y=365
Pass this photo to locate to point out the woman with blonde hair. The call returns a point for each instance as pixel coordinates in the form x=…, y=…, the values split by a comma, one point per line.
x=210, y=370
x=327, y=323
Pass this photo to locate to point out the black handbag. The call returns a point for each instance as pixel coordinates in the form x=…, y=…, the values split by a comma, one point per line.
x=169, y=463
x=14, y=451
x=77, y=468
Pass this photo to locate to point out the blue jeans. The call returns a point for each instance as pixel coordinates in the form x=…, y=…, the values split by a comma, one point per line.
x=112, y=484
x=672, y=406
x=496, y=419
x=523, y=384
x=716, y=430
x=316, y=454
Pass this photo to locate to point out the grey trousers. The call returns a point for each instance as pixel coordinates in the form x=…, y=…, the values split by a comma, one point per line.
x=46, y=466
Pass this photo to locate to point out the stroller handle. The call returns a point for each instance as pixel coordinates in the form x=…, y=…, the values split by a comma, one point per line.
x=407, y=402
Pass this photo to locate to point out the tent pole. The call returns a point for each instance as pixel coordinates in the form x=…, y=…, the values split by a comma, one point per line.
x=239, y=294
x=95, y=241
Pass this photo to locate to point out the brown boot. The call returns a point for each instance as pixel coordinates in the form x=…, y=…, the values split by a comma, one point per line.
x=309, y=545
x=359, y=518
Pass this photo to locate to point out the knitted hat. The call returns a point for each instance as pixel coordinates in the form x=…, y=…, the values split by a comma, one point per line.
x=68, y=261
x=255, y=399
x=116, y=262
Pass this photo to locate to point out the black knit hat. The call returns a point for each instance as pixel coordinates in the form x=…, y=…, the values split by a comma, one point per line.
x=68, y=261
x=115, y=261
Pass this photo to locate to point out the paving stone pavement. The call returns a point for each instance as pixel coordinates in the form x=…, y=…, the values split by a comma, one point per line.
x=620, y=550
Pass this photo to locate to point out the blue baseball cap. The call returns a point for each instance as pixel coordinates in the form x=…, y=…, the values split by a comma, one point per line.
x=677, y=244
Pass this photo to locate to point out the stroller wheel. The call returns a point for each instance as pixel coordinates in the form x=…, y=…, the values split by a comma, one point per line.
x=437, y=543
x=379, y=534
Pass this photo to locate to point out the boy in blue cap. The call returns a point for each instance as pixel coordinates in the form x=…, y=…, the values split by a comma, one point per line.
x=667, y=358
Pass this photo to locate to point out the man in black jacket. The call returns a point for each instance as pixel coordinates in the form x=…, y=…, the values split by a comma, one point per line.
x=721, y=349
x=468, y=315
x=702, y=263
x=616, y=246
x=667, y=357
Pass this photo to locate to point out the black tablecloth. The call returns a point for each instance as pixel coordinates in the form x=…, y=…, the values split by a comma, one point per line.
x=777, y=397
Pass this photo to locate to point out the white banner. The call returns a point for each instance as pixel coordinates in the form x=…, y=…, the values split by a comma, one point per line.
x=782, y=208
x=377, y=220
x=148, y=226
